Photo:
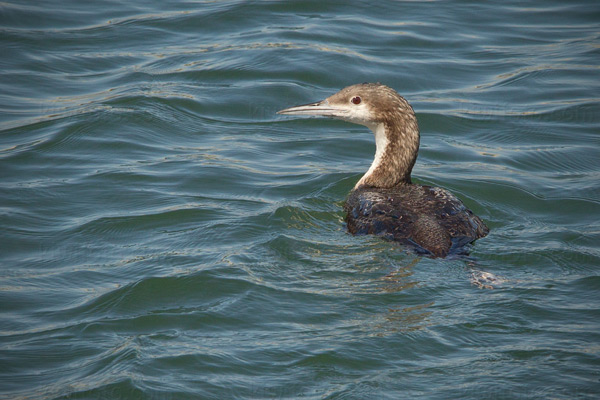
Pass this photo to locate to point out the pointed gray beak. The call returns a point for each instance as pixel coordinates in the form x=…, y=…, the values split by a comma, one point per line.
x=322, y=108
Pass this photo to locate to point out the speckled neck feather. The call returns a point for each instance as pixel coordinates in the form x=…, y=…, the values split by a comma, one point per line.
x=397, y=139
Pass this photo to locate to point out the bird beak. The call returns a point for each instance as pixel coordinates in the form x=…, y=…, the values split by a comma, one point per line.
x=322, y=108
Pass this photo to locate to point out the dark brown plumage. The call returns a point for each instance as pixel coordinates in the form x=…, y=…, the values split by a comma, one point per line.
x=385, y=202
x=429, y=219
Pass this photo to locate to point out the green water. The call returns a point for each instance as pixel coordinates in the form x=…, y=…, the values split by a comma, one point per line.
x=166, y=235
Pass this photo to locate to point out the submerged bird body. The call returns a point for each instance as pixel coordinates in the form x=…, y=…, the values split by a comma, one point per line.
x=429, y=219
x=385, y=202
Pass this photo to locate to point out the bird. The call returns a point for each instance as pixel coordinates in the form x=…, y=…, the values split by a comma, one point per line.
x=385, y=202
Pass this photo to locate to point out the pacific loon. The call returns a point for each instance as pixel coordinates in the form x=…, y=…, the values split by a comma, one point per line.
x=384, y=201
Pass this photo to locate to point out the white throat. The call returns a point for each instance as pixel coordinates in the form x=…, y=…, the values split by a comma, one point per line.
x=381, y=143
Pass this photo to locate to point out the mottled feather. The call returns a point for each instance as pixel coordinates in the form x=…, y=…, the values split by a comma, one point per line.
x=429, y=219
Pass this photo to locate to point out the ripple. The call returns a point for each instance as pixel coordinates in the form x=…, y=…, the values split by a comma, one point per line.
x=165, y=234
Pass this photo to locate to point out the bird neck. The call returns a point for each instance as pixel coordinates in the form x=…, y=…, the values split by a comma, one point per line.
x=397, y=146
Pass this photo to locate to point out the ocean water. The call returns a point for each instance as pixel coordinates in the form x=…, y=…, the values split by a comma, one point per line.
x=166, y=235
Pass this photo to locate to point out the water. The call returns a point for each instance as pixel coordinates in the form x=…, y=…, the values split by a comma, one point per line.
x=166, y=235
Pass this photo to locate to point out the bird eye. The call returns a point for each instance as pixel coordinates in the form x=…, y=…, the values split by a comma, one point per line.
x=356, y=100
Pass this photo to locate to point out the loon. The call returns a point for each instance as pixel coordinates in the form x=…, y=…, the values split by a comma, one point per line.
x=385, y=202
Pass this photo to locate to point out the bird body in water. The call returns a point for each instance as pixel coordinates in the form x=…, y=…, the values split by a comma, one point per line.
x=384, y=201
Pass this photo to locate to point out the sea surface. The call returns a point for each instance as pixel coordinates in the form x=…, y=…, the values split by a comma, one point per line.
x=164, y=234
